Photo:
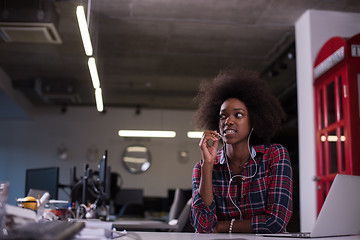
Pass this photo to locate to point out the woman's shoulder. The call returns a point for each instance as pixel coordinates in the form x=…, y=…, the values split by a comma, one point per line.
x=274, y=153
x=264, y=148
x=277, y=147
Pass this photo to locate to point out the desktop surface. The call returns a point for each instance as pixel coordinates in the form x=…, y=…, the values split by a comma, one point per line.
x=212, y=236
x=49, y=230
x=142, y=225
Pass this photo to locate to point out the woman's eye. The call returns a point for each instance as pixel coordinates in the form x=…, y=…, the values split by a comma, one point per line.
x=222, y=116
x=238, y=115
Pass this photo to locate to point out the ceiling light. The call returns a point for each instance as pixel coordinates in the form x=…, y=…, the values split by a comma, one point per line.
x=147, y=133
x=193, y=134
x=94, y=72
x=84, y=31
x=99, y=100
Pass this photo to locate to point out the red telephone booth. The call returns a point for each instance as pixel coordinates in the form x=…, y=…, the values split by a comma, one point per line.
x=337, y=114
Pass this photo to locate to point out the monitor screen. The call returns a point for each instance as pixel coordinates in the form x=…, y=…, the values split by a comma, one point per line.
x=103, y=168
x=94, y=185
x=46, y=179
x=104, y=177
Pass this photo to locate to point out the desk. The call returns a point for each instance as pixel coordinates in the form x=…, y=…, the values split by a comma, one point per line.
x=99, y=227
x=138, y=225
x=211, y=236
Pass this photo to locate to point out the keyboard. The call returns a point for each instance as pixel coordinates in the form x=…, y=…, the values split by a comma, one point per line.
x=54, y=230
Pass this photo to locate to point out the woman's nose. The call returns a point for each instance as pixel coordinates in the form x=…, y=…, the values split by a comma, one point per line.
x=228, y=121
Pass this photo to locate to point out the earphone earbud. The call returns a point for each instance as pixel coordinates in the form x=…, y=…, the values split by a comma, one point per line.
x=253, y=153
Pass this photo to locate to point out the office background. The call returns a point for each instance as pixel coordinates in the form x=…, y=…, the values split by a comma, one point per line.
x=82, y=131
x=36, y=140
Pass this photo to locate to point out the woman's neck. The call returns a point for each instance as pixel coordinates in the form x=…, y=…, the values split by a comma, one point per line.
x=238, y=153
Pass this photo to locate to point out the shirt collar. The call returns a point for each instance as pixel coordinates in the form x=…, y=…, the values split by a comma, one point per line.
x=221, y=153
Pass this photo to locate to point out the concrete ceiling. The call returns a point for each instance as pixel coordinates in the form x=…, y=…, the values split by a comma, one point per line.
x=154, y=53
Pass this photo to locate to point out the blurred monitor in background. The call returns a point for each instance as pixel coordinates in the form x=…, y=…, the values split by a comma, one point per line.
x=44, y=179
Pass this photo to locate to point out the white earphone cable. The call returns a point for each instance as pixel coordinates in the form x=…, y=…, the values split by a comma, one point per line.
x=240, y=175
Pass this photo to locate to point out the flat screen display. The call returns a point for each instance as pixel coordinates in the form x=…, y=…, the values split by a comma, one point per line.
x=46, y=179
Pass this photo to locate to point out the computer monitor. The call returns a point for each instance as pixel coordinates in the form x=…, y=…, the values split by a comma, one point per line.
x=82, y=188
x=73, y=178
x=103, y=168
x=104, y=178
x=94, y=185
x=46, y=179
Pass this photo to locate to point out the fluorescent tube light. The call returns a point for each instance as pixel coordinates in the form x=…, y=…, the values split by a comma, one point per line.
x=94, y=73
x=99, y=100
x=147, y=133
x=84, y=31
x=193, y=134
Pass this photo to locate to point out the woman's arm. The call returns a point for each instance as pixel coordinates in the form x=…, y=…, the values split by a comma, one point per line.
x=208, y=153
x=203, y=218
x=244, y=226
x=203, y=207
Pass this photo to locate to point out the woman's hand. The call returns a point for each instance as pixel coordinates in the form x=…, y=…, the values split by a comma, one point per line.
x=221, y=227
x=208, y=147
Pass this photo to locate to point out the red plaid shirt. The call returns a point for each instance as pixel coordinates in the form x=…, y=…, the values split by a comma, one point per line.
x=266, y=198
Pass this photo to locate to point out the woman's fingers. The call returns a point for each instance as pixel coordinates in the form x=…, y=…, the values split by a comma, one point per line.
x=209, y=137
x=208, y=146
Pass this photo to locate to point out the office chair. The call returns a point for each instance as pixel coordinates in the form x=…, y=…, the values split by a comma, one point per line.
x=183, y=221
x=177, y=205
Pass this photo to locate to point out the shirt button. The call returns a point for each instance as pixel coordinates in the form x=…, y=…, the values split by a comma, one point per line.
x=243, y=178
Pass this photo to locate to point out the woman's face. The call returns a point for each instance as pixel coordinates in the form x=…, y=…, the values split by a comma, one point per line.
x=234, y=121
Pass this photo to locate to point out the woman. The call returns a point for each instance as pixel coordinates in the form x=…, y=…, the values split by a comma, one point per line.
x=246, y=186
